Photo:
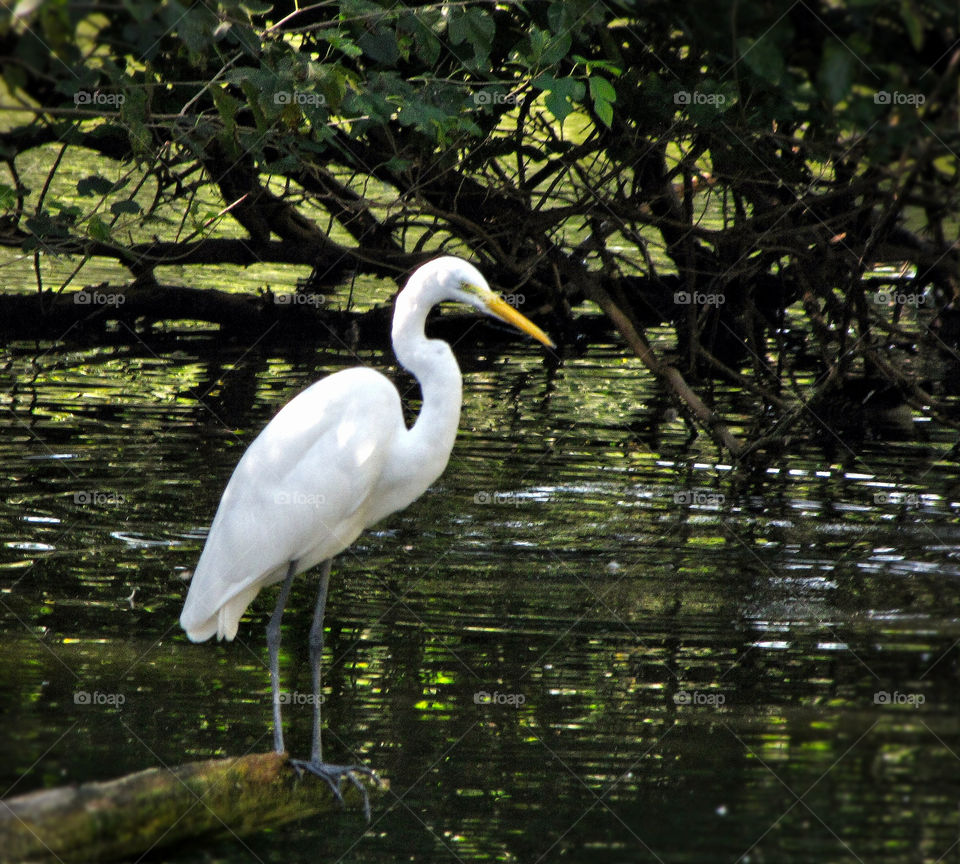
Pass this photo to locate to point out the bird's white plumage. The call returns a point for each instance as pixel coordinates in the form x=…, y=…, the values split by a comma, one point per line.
x=302, y=492
x=337, y=458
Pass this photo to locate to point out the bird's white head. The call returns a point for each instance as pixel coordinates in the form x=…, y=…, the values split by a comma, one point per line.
x=452, y=278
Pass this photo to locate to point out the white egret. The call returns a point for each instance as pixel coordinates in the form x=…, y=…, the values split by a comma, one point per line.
x=335, y=460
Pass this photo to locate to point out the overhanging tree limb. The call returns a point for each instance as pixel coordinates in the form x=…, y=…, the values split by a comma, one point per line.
x=668, y=375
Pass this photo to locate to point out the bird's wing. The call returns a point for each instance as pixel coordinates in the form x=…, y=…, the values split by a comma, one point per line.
x=299, y=494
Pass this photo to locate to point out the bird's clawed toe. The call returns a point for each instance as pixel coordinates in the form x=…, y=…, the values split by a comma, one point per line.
x=334, y=774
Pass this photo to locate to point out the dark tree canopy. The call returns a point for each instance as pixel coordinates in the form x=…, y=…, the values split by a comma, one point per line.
x=726, y=169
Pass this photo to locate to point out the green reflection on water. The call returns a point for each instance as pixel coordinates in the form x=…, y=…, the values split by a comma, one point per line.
x=679, y=668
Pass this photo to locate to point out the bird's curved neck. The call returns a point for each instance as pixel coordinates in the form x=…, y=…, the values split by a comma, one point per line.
x=432, y=363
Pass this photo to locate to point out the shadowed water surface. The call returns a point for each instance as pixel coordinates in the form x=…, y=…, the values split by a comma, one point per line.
x=589, y=641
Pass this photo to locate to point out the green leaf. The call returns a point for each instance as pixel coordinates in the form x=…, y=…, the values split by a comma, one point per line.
x=254, y=8
x=246, y=37
x=133, y=114
x=128, y=206
x=333, y=84
x=283, y=165
x=425, y=117
x=254, y=94
x=95, y=184
x=561, y=93
x=8, y=197
x=69, y=213
x=763, y=57
x=603, y=96
x=473, y=26
x=836, y=71
x=600, y=88
x=380, y=45
x=194, y=25
x=604, y=111
x=603, y=65
x=227, y=107
x=427, y=45
x=557, y=49
x=912, y=18
x=341, y=43
x=560, y=17
x=98, y=229
x=46, y=226
x=546, y=48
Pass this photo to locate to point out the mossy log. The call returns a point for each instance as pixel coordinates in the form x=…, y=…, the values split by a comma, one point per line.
x=159, y=807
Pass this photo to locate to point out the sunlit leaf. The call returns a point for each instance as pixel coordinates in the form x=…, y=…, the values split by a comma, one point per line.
x=98, y=229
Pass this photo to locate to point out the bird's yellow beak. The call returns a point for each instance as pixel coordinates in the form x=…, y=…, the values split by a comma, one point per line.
x=499, y=308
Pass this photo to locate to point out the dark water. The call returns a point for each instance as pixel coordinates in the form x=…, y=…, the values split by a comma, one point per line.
x=689, y=666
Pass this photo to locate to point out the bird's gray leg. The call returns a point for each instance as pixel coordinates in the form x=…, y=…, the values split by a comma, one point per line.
x=316, y=658
x=273, y=646
x=332, y=774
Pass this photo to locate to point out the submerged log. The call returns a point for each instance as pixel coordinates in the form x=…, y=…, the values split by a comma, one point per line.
x=287, y=316
x=159, y=807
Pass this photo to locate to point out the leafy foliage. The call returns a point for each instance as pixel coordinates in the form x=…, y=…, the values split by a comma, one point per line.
x=570, y=145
